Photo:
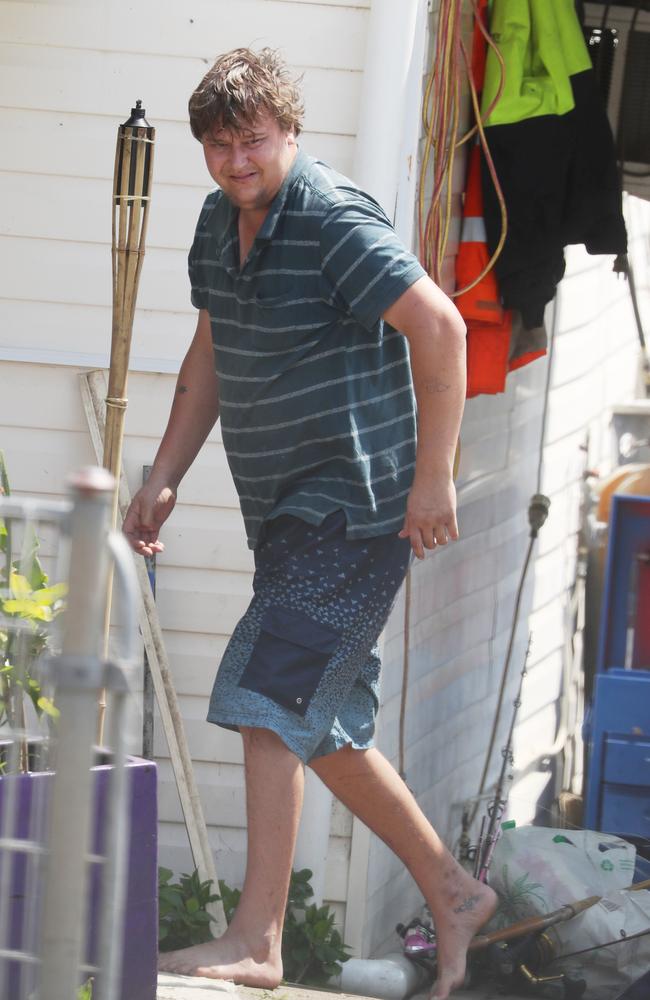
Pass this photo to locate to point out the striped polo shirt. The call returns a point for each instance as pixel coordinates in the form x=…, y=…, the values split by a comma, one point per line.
x=316, y=399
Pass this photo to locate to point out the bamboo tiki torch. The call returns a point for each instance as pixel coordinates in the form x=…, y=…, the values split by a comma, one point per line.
x=131, y=195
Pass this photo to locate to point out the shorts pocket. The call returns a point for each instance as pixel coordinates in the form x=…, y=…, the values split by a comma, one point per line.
x=289, y=658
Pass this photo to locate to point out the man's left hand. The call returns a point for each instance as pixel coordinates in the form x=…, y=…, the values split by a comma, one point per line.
x=430, y=515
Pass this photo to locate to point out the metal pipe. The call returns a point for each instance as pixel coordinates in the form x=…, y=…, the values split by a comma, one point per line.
x=78, y=679
x=115, y=864
x=388, y=112
x=115, y=873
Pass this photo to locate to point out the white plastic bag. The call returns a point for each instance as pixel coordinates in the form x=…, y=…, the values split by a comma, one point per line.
x=536, y=870
x=608, y=971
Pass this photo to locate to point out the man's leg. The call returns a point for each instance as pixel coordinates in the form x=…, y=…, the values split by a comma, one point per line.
x=250, y=950
x=370, y=787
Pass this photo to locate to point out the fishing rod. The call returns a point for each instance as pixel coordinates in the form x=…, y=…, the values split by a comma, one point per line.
x=491, y=827
x=631, y=937
x=608, y=944
x=530, y=925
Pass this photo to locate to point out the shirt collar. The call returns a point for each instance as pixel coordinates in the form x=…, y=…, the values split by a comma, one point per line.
x=276, y=208
x=229, y=249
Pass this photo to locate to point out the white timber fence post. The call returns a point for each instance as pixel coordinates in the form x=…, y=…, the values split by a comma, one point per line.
x=79, y=674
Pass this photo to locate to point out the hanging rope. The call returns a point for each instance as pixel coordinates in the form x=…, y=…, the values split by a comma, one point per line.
x=441, y=121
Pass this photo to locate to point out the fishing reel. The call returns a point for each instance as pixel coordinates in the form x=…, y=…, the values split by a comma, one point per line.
x=419, y=939
x=517, y=966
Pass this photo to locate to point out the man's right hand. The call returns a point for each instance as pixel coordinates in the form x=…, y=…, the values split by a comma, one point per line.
x=149, y=509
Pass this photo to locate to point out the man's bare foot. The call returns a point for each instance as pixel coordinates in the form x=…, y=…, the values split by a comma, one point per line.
x=225, y=958
x=465, y=905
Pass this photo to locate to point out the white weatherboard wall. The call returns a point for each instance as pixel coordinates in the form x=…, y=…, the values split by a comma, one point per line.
x=69, y=74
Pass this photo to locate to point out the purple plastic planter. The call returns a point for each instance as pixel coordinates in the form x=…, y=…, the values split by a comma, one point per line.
x=141, y=908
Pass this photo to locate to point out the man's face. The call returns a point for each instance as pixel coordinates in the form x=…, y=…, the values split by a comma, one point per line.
x=250, y=164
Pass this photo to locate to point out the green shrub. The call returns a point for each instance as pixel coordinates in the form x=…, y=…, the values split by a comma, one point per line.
x=27, y=607
x=182, y=916
x=312, y=948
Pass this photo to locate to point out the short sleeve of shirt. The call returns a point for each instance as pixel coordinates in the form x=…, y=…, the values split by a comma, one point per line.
x=365, y=265
x=198, y=292
x=198, y=252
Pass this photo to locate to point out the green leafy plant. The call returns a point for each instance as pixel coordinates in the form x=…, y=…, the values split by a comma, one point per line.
x=27, y=606
x=515, y=898
x=85, y=992
x=230, y=899
x=312, y=948
x=182, y=916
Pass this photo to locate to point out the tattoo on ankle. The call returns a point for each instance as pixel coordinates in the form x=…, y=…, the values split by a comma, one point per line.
x=467, y=904
x=181, y=389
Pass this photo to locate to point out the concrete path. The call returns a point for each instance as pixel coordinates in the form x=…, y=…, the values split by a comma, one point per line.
x=190, y=988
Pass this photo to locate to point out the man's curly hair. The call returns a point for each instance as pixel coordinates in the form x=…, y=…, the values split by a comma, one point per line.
x=241, y=86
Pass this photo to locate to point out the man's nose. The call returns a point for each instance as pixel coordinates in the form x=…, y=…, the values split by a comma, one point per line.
x=239, y=155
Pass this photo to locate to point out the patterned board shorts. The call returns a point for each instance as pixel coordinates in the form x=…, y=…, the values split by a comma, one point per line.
x=303, y=661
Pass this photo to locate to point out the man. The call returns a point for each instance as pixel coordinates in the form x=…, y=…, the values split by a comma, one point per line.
x=301, y=286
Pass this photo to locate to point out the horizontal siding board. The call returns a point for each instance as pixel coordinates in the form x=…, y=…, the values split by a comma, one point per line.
x=201, y=601
x=150, y=398
x=194, y=658
x=79, y=334
x=66, y=275
x=27, y=394
x=309, y=34
x=207, y=484
x=83, y=145
x=42, y=461
x=207, y=742
x=228, y=846
x=203, y=538
x=224, y=805
x=106, y=83
x=38, y=207
x=484, y=457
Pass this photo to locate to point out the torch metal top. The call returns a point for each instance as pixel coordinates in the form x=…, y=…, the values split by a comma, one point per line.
x=137, y=119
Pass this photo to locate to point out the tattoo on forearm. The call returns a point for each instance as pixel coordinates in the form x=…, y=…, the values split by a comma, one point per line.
x=182, y=388
x=435, y=385
x=467, y=904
